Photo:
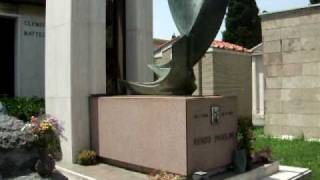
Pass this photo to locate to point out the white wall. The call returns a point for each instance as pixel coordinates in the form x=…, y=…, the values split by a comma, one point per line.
x=29, y=47
x=30, y=39
x=75, y=66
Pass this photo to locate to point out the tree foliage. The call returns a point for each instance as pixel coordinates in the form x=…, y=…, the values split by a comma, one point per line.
x=314, y=1
x=243, y=24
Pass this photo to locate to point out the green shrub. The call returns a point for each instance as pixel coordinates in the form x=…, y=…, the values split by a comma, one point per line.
x=87, y=157
x=23, y=108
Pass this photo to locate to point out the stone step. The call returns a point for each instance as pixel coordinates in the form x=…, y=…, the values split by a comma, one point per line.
x=98, y=172
x=106, y=172
x=292, y=173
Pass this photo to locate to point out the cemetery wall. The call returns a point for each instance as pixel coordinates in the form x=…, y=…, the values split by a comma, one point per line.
x=292, y=68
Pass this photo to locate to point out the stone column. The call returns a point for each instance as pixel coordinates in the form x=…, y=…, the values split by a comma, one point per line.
x=139, y=40
x=254, y=86
x=75, y=66
x=261, y=85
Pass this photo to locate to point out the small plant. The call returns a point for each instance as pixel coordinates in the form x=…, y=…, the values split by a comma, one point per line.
x=162, y=175
x=45, y=129
x=262, y=156
x=87, y=157
x=301, y=137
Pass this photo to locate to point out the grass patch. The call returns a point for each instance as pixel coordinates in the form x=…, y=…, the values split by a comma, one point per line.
x=296, y=152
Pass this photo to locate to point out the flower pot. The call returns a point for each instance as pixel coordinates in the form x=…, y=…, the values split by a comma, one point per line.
x=46, y=164
x=240, y=161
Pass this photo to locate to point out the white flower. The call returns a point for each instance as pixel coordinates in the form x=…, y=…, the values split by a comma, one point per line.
x=26, y=127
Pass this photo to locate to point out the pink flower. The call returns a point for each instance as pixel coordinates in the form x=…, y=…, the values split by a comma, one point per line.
x=55, y=124
x=34, y=121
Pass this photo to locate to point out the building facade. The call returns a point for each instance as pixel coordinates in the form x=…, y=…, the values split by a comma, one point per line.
x=22, y=66
x=292, y=66
x=22, y=35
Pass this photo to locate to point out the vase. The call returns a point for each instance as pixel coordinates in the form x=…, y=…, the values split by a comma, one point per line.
x=46, y=164
x=240, y=160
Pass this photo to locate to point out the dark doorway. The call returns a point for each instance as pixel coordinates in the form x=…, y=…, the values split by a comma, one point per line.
x=7, y=51
x=115, y=52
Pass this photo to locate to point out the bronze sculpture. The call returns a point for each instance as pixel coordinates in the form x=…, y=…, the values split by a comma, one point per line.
x=198, y=22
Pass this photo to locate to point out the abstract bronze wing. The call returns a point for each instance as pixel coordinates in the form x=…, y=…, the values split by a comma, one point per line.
x=198, y=21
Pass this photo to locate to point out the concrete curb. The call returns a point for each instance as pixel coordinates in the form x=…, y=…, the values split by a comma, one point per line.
x=72, y=175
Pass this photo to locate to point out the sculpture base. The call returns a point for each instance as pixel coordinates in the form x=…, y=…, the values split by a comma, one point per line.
x=181, y=135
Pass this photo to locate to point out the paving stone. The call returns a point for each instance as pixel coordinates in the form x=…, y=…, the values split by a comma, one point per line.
x=274, y=70
x=273, y=106
x=301, y=107
x=310, y=30
x=290, y=21
x=310, y=94
x=273, y=94
x=311, y=69
x=309, y=43
x=272, y=58
x=292, y=44
x=310, y=18
x=290, y=32
x=273, y=83
x=299, y=120
x=301, y=82
x=292, y=70
x=270, y=24
x=272, y=46
x=301, y=57
x=271, y=35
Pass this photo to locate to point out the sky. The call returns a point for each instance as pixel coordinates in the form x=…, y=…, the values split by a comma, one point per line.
x=164, y=27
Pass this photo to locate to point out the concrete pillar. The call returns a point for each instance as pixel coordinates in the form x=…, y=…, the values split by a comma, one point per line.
x=254, y=86
x=261, y=85
x=75, y=66
x=139, y=40
x=200, y=75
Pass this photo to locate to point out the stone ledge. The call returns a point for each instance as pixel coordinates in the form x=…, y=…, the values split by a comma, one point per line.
x=291, y=173
x=290, y=12
x=97, y=172
x=103, y=171
x=257, y=173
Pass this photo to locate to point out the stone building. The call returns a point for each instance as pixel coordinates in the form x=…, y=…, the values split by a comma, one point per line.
x=292, y=65
x=22, y=37
x=224, y=70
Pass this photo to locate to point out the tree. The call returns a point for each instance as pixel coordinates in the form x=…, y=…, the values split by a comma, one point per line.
x=314, y=1
x=243, y=24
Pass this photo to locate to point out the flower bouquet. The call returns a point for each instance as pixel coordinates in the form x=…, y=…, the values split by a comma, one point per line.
x=45, y=130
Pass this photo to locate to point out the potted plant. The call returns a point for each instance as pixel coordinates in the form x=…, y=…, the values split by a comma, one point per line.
x=87, y=158
x=242, y=156
x=45, y=129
